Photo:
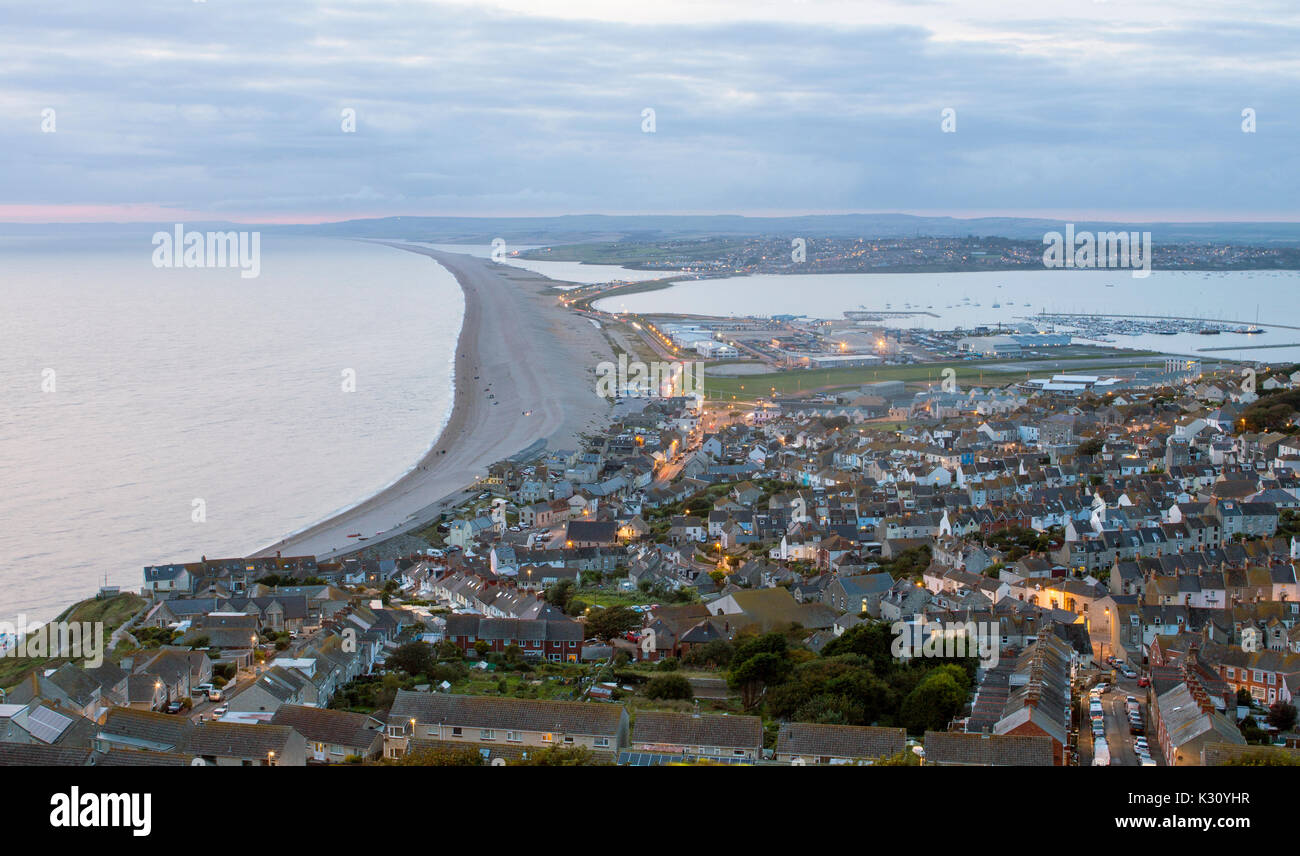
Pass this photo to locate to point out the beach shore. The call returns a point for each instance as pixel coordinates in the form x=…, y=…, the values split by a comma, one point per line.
x=537, y=361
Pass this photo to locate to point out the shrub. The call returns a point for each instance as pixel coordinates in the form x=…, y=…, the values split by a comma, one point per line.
x=669, y=686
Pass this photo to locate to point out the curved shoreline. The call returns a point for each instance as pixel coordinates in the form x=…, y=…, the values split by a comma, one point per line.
x=516, y=344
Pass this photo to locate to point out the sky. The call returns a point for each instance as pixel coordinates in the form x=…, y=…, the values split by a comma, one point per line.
x=238, y=109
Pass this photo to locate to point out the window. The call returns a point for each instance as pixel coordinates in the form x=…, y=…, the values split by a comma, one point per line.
x=486, y=734
x=455, y=731
x=1230, y=672
x=547, y=738
x=513, y=736
x=602, y=741
x=1257, y=676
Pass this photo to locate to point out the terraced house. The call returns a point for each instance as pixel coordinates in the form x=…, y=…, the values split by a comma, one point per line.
x=692, y=734
x=418, y=719
x=557, y=640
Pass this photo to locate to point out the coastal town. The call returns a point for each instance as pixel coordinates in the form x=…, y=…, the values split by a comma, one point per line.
x=1064, y=570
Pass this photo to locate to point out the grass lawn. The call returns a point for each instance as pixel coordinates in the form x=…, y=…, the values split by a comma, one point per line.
x=548, y=683
x=608, y=596
x=111, y=611
x=969, y=372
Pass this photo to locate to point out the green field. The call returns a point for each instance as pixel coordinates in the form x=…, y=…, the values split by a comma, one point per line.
x=969, y=373
x=111, y=611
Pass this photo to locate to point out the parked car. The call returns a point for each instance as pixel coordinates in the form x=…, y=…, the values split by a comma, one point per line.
x=174, y=707
x=201, y=690
x=215, y=694
x=1129, y=673
x=1144, y=681
x=221, y=711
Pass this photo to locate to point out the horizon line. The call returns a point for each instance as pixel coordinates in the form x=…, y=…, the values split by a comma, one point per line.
x=140, y=215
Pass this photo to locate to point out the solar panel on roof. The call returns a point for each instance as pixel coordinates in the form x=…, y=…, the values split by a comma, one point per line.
x=46, y=725
x=657, y=759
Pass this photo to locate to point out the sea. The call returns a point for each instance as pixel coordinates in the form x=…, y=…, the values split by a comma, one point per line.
x=945, y=301
x=153, y=415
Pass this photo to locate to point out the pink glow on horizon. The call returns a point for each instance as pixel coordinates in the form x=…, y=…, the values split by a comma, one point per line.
x=153, y=213
x=149, y=213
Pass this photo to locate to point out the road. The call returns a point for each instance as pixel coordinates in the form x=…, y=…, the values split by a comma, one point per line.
x=204, y=708
x=1114, y=710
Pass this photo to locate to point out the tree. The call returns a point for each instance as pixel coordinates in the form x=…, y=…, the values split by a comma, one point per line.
x=615, y=621
x=414, y=658
x=1263, y=757
x=753, y=675
x=669, y=686
x=904, y=758
x=1091, y=446
x=560, y=594
x=559, y=756
x=437, y=757
x=934, y=702
x=1282, y=716
x=715, y=654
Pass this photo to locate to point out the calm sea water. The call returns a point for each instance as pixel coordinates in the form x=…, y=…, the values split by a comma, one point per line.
x=177, y=385
x=951, y=297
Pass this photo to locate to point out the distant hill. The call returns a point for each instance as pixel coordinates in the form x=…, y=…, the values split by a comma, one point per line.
x=596, y=227
x=583, y=228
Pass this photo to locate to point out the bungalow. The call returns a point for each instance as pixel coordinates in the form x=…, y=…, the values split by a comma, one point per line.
x=803, y=743
x=690, y=734
x=485, y=720
x=333, y=736
x=230, y=744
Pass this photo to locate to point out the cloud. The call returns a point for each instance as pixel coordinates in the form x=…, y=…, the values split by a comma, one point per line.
x=236, y=108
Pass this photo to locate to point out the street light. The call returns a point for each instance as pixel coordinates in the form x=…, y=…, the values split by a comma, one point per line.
x=270, y=758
